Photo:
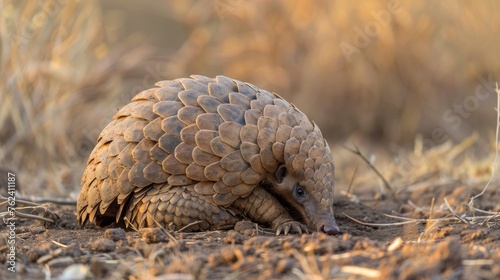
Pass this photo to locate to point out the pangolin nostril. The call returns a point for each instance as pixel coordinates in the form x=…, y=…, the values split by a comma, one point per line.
x=330, y=229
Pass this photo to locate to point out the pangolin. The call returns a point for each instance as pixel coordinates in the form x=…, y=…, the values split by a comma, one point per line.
x=208, y=153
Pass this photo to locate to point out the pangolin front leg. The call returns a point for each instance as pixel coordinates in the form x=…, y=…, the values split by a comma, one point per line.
x=262, y=207
x=179, y=207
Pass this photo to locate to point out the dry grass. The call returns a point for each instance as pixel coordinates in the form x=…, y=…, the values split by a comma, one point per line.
x=57, y=64
x=438, y=168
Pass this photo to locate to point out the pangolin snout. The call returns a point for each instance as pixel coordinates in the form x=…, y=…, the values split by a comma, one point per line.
x=329, y=227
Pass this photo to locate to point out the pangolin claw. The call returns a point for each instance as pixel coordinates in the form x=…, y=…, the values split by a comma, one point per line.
x=291, y=227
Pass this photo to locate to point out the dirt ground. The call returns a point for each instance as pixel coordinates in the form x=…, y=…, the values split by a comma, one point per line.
x=447, y=249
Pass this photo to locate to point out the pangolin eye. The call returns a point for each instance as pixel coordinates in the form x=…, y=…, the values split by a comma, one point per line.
x=299, y=191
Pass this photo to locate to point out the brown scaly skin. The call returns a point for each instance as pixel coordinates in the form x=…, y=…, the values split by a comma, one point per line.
x=212, y=151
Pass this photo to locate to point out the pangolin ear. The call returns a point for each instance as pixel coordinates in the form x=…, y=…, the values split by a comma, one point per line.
x=280, y=173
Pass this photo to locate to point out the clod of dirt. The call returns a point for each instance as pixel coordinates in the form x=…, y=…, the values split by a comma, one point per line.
x=142, y=246
x=153, y=235
x=262, y=242
x=184, y=265
x=73, y=250
x=234, y=237
x=52, y=254
x=366, y=244
x=100, y=269
x=65, y=239
x=284, y=265
x=291, y=244
x=41, y=250
x=179, y=246
x=245, y=227
x=229, y=255
x=115, y=234
x=442, y=260
x=37, y=230
x=103, y=245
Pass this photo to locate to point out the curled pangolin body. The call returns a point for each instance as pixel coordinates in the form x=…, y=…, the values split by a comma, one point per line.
x=209, y=150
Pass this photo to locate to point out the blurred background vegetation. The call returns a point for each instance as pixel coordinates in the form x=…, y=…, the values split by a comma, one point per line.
x=378, y=73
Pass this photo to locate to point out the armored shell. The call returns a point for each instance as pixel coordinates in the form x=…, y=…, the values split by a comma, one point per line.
x=197, y=151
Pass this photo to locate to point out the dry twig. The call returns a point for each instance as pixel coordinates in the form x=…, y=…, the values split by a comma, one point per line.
x=35, y=200
x=414, y=221
x=14, y=212
x=168, y=234
x=471, y=202
x=387, y=185
x=352, y=179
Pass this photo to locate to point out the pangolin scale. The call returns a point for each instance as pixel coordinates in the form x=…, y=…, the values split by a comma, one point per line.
x=207, y=153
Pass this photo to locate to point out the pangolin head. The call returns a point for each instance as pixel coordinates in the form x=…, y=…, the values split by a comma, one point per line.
x=305, y=181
